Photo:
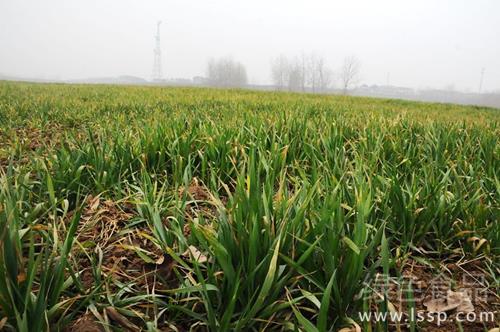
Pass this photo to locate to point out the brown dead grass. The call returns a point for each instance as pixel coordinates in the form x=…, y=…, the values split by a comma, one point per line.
x=199, y=203
x=30, y=141
x=104, y=226
x=85, y=323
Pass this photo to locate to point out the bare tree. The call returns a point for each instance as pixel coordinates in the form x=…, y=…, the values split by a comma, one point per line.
x=295, y=77
x=302, y=73
x=311, y=72
x=320, y=76
x=349, y=72
x=287, y=74
x=280, y=72
x=324, y=74
x=225, y=72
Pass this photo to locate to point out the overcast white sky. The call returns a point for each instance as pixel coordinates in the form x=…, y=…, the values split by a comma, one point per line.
x=421, y=43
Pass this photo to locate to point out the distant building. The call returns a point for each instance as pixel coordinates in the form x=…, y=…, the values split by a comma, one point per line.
x=384, y=91
x=180, y=81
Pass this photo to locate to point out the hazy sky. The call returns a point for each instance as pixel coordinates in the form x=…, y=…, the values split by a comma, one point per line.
x=421, y=43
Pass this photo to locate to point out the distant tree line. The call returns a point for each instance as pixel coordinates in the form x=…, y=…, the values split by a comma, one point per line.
x=303, y=73
x=225, y=72
x=306, y=73
x=311, y=73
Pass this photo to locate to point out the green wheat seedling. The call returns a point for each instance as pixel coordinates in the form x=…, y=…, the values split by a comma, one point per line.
x=198, y=209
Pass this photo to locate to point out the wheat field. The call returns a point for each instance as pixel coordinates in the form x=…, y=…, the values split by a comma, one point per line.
x=190, y=209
